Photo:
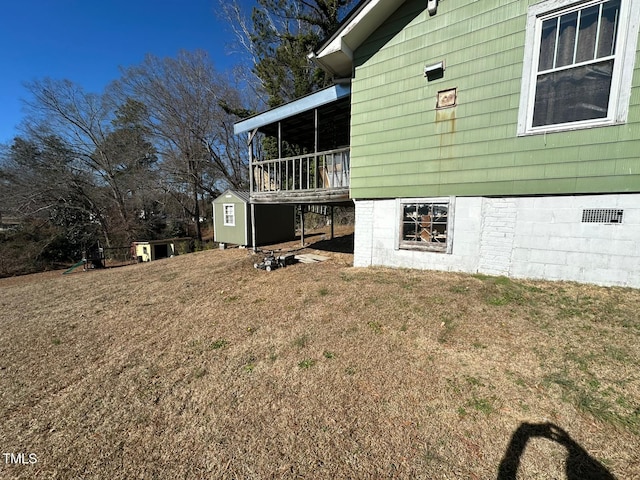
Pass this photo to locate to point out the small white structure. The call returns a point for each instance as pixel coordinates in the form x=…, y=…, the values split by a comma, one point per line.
x=147, y=251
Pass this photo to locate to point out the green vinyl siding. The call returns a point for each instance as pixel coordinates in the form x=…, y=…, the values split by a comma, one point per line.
x=273, y=223
x=236, y=234
x=402, y=146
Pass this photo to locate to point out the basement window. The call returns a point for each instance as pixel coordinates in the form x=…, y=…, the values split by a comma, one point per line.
x=425, y=224
x=229, y=215
x=602, y=215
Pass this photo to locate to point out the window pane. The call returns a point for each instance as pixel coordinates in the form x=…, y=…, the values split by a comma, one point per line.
x=439, y=223
x=229, y=214
x=608, y=28
x=567, y=39
x=547, y=44
x=587, y=34
x=409, y=233
x=409, y=212
x=409, y=222
x=580, y=93
x=425, y=224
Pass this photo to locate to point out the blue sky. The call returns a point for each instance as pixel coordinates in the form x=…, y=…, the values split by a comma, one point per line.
x=86, y=41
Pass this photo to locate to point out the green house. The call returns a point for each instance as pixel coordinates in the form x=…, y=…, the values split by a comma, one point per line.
x=232, y=222
x=498, y=137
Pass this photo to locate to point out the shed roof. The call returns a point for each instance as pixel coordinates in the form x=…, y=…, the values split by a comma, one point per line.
x=162, y=241
x=243, y=195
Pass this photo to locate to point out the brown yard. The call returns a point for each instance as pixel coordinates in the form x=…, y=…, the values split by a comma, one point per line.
x=200, y=366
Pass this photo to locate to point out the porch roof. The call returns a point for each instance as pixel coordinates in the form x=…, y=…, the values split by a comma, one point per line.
x=267, y=121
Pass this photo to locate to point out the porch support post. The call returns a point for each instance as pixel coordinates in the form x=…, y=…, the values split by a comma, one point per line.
x=253, y=227
x=279, y=153
x=301, y=225
x=279, y=140
x=315, y=130
x=331, y=207
x=315, y=148
x=251, y=135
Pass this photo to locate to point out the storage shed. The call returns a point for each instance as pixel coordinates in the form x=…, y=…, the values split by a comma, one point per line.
x=232, y=220
x=156, y=249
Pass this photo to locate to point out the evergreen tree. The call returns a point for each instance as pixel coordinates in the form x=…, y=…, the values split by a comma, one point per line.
x=284, y=32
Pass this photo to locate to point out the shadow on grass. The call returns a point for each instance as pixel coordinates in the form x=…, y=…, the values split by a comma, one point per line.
x=343, y=244
x=579, y=464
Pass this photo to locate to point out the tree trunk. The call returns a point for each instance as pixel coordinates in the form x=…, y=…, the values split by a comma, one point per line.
x=196, y=211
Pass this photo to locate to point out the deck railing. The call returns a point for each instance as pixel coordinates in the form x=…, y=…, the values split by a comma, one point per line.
x=318, y=171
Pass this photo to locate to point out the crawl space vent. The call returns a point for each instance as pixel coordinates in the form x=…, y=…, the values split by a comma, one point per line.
x=602, y=215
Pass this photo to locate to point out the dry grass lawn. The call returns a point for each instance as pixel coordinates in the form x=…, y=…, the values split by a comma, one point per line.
x=201, y=366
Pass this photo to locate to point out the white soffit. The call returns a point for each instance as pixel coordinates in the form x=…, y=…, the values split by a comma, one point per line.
x=336, y=55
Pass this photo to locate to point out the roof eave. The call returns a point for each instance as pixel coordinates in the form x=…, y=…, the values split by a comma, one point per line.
x=335, y=55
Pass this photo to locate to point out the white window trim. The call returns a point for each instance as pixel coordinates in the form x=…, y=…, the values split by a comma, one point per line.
x=451, y=201
x=622, y=74
x=233, y=214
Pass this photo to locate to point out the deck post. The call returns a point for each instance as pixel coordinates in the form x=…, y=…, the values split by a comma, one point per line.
x=279, y=140
x=250, y=145
x=253, y=228
x=251, y=135
x=302, y=225
x=331, y=207
x=315, y=148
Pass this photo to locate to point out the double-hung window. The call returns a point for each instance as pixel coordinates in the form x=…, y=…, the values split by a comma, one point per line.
x=229, y=215
x=578, y=64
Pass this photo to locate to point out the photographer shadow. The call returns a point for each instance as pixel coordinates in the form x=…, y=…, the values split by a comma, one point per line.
x=579, y=464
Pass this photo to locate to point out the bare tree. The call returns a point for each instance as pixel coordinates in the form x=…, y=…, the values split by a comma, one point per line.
x=187, y=102
x=84, y=124
x=58, y=205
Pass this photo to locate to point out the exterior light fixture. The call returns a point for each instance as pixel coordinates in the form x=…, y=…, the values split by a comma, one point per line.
x=435, y=71
x=432, y=7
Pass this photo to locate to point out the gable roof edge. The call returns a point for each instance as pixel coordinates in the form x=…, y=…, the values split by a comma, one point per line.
x=335, y=54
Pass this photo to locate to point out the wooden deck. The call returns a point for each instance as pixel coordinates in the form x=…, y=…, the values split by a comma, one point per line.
x=321, y=177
